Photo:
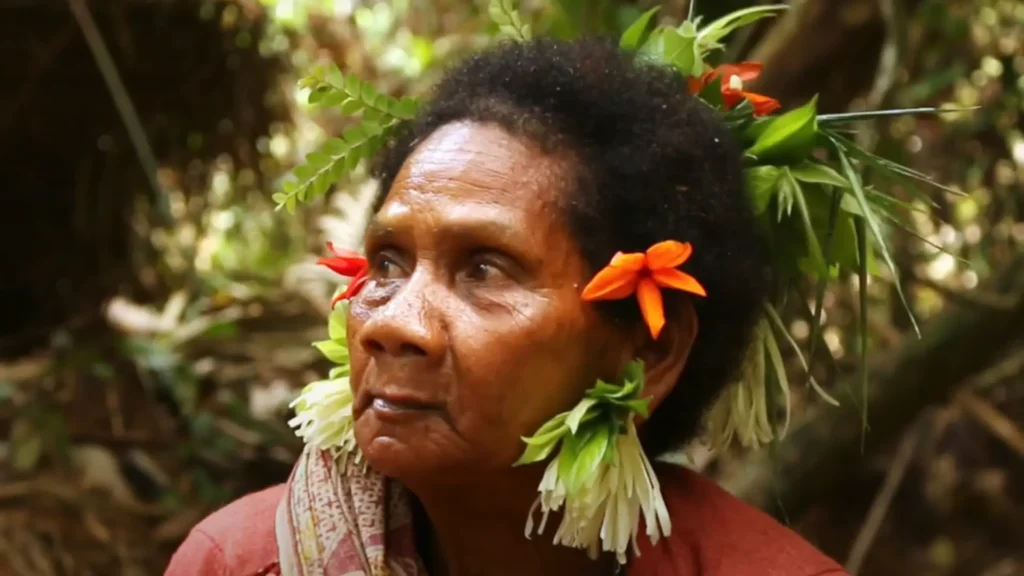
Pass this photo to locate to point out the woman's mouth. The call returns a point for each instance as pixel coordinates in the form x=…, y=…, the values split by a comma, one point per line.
x=394, y=407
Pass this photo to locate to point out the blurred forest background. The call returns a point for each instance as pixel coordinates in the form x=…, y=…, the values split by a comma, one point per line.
x=156, y=311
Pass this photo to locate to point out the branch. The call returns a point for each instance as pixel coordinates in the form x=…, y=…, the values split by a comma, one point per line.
x=826, y=47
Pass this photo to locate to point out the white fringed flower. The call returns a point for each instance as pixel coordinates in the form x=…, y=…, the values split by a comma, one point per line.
x=603, y=513
x=601, y=479
x=323, y=410
x=323, y=417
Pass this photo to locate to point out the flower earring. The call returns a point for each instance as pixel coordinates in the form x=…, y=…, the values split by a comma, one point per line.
x=601, y=476
x=323, y=410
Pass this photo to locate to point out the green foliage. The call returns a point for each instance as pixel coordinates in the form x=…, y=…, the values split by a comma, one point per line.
x=337, y=157
x=786, y=139
x=509, y=22
x=638, y=33
x=588, y=431
x=710, y=36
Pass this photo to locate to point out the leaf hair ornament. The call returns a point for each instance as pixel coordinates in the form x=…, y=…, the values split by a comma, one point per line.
x=600, y=479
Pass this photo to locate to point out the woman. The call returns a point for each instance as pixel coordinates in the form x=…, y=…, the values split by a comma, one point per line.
x=501, y=204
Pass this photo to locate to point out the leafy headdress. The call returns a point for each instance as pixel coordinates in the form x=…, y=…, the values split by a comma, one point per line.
x=804, y=180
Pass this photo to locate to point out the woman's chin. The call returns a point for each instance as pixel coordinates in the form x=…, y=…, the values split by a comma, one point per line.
x=406, y=453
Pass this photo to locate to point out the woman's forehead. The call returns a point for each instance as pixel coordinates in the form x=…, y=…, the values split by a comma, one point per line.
x=480, y=164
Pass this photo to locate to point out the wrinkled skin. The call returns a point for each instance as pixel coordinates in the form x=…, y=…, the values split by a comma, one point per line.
x=472, y=308
x=470, y=333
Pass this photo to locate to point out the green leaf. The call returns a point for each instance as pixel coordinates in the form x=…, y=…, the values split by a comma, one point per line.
x=333, y=76
x=591, y=451
x=406, y=108
x=862, y=329
x=679, y=49
x=876, y=231
x=354, y=135
x=509, y=22
x=578, y=412
x=773, y=315
x=635, y=35
x=885, y=165
x=336, y=326
x=640, y=406
x=334, y=147
x=772, y=349
x=549, y=436
x=351, y=106
x=816, y=173
x=788, y=138
x=817, y=255
x=353, y=85
x=535, y=453
x=333, y=351
x=710, y=35
x=634, y=372
x=762, y=183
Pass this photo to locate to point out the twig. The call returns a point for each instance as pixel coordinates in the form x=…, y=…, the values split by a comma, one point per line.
x=892, y=51
x=124, y=105
x=883, y=500
x=993, y=420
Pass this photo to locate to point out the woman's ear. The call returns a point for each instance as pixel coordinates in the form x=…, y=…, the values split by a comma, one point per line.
x=665, y=358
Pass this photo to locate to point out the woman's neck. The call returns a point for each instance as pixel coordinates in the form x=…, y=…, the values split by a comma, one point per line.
x=477, y=529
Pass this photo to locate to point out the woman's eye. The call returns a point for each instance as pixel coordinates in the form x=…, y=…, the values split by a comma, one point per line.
x=482, y=270
x=385, y=267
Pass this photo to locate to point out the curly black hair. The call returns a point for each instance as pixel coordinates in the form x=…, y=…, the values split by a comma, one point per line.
x=652, y=163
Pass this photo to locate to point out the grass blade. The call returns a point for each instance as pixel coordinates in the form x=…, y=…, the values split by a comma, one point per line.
x=870, y=114
x=777, y=321
x=772, y=347
x=819, y=292
x=805, y=218
x=871, y=219
x=862, y=247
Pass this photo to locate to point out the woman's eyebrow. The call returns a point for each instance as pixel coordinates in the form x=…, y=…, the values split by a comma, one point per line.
x=485, y=224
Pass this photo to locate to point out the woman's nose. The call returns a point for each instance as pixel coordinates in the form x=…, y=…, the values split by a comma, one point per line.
x=405, y=327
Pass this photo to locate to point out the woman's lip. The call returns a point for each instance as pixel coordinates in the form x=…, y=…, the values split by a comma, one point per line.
x=397, y=401
x=390, y=410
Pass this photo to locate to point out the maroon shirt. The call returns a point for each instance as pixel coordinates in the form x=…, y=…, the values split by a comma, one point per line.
x=713, y=534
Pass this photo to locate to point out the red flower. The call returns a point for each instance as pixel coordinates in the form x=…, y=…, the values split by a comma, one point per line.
x=733, y=77
x=645, y=273
x=350, y=264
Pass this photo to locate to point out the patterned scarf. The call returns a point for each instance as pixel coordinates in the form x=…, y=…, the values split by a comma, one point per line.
x=349, y=521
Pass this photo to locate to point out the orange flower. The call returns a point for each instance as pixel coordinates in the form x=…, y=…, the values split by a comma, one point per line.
x=645, y=274
x=347, y=263
x=733, y=77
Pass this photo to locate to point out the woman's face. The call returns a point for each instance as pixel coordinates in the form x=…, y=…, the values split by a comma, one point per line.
x=471, y=332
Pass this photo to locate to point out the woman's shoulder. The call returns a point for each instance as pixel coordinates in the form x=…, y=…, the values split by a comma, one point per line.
x=237, y=540
x=716, y=534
